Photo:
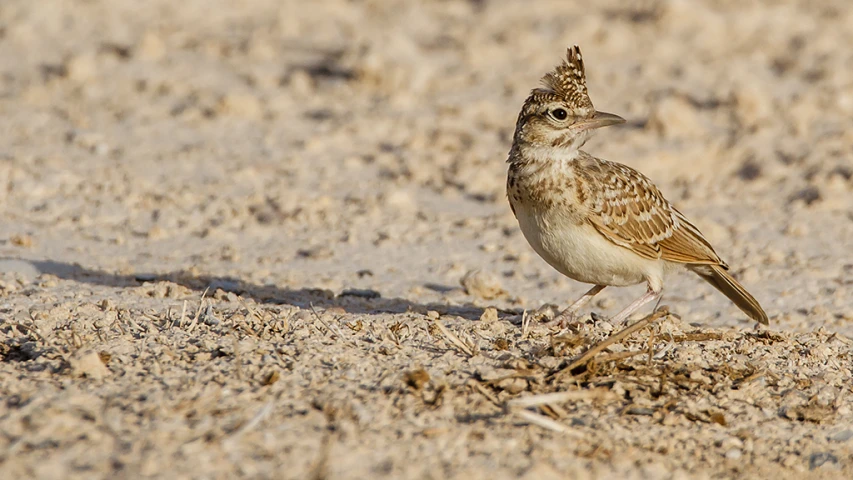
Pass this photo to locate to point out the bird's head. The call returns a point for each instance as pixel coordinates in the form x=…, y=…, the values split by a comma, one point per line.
x=560, y=114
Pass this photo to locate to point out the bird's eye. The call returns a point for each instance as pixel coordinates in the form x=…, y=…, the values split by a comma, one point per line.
x=559, y=113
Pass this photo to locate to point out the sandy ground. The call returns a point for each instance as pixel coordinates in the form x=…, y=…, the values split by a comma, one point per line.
x=234, y=231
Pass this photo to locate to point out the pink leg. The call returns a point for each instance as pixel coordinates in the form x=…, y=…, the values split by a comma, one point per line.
x=567, y=316
x=647, y=297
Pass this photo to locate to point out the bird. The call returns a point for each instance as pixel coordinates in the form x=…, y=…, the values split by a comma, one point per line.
x=596, y=221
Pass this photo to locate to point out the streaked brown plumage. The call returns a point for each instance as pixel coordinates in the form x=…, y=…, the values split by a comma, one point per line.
x=596, y=221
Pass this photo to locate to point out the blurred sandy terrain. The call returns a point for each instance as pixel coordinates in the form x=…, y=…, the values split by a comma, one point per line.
x=325, y=173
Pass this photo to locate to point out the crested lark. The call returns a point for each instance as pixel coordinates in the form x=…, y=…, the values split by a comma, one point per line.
x=596, y=221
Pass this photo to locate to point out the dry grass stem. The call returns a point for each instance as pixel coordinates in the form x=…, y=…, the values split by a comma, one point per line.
x=546, y=423
x=559, y=397
x=483, y=391
x=453, y=339
x=197, y=312
x=615, y=338
x=331, y=328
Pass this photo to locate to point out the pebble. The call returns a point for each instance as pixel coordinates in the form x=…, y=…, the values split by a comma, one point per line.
x=734, y=454
x=489, y=315
x=87, y=363
x=822, y=459
x=482, y=284
x=841, y=436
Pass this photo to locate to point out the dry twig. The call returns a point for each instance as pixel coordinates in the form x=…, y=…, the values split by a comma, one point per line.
x=546, y=423
x=615, y=338
x=453, y=339
x=328, y=326
x=197, y=312
x=559, y=397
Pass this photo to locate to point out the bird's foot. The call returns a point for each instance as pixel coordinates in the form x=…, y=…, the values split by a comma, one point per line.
x=563, y=320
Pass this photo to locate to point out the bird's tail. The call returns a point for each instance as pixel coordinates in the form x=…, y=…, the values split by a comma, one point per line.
x=717, y=276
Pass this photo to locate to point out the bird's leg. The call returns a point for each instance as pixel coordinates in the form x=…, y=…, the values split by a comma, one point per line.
x=567, y=316
x=650, y=296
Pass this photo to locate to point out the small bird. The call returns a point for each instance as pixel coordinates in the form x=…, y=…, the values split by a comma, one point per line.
x=595, y=221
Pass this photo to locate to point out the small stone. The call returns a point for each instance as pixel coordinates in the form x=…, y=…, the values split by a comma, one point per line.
x=270, y=378
x=734, y=454
x=822, y=459
x=698, y=376
x=210, y=317
x=88, y=363
x=489, y=247
x=642, y=411
x=24, y=241
x=489, y=315
x=482, y=284
x=718, y=418
x=842, y=436
x=416, y=379
x=807, y=195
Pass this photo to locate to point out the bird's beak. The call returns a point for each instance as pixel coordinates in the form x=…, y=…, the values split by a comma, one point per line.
x=598, y=120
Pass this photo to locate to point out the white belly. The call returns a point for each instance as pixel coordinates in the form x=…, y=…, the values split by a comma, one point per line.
x=579, y=252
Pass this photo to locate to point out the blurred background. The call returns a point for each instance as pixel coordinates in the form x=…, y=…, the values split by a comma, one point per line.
x=341, y=144
x=227, y=228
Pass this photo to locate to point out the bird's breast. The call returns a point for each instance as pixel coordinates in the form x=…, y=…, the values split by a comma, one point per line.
x=544, y=187
x=552, y=213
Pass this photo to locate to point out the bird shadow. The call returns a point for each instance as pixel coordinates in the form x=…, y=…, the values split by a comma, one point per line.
x=356, y=301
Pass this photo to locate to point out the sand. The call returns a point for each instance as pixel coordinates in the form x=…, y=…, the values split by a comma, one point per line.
x=270, y=239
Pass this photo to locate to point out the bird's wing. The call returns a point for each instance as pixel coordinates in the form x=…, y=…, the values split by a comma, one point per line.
x=631, y=212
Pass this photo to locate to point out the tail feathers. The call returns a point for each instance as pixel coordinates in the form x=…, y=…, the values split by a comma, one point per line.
x=717, y=276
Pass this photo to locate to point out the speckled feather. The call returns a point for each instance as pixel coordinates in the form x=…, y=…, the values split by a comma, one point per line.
x=568, y=81
x=629, y=210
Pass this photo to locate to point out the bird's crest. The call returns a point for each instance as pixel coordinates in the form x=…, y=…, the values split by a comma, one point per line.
x=568, y=80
